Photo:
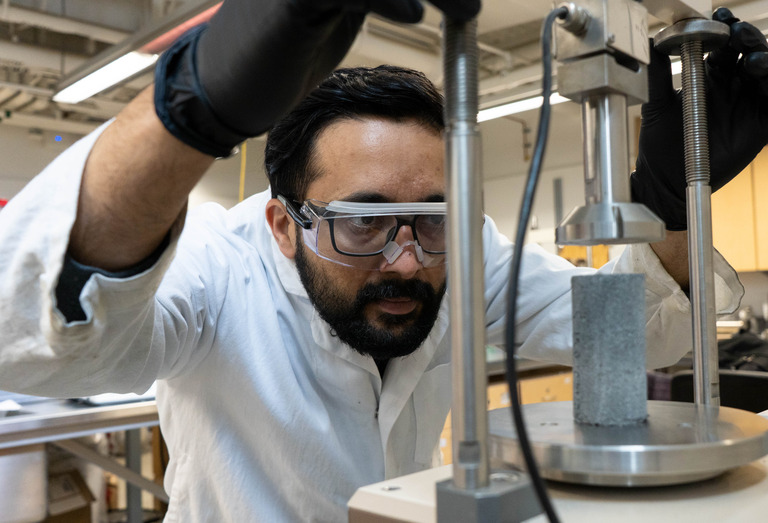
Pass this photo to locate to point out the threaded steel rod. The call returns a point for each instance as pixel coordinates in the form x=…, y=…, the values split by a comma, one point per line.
x=465, y=248
x=700, y=248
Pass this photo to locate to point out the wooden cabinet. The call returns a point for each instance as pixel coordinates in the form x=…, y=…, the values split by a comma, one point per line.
x=558, y=387
x=580, y=255
x=760, y=199
x=740, y=217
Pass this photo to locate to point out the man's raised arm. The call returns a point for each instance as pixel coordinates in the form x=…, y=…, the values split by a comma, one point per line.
x=135, y=185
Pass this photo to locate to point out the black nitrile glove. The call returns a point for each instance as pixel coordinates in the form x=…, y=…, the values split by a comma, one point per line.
x=737, y=111
x=231, y=80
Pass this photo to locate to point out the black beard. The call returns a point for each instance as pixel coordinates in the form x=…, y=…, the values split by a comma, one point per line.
x=348, y=322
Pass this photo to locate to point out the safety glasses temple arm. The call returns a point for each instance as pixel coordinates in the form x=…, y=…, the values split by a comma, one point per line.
x=294, y=213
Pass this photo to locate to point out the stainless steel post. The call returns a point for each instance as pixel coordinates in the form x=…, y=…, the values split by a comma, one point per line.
x=465, y=248
x=604, y=122
x=688, y=38
x=702, y=280
x=133, y=462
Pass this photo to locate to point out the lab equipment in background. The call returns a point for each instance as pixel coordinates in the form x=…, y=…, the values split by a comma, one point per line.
x=765, y=311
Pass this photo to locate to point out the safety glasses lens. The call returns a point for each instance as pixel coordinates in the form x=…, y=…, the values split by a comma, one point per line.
x=368, y=235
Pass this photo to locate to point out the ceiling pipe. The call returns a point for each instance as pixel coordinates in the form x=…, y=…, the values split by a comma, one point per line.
x=56, y=125
x=36, y=58
x=59, y=24
x=370, y=49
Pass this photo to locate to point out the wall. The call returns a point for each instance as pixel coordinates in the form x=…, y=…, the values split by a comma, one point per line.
x=503, y=196
x=222, y=181
x=24, y=154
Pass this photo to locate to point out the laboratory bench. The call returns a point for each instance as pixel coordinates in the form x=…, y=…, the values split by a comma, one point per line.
x=52, y=420
x=61, y=422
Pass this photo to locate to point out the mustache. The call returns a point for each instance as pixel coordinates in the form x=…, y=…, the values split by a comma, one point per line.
x=413, y=289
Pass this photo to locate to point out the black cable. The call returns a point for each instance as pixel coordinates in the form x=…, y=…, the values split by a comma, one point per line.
x=525, y=212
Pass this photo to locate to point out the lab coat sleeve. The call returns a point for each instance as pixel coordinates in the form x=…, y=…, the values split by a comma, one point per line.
x=544, y=329
x=117, y=347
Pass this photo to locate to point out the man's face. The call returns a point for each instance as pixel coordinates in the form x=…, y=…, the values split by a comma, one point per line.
x=386, y=313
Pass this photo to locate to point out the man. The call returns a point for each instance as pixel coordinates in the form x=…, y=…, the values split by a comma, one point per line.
x=300, y=352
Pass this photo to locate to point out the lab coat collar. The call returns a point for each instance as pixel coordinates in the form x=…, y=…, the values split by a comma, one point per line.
x=321, y=331
x=403, y=374
x=286, y=270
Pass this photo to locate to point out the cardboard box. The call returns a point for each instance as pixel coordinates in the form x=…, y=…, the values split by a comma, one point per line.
x=69, y=499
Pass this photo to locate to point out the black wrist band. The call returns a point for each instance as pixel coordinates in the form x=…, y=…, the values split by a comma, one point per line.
x=181, y=103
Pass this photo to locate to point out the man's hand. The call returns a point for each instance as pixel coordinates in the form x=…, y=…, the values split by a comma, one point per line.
x=256, y=60
x=737, y=103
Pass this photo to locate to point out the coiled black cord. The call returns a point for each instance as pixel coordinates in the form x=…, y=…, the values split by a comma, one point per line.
x=525, y=212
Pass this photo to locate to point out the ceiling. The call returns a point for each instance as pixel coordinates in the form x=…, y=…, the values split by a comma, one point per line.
x=41, y=41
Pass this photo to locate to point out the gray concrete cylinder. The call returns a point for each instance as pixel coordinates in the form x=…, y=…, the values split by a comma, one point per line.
x=609, y=377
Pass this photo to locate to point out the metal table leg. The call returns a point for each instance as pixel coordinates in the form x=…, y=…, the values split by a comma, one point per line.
x=133, y=462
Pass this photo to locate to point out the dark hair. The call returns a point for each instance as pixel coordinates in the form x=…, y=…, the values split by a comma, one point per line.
x=386, y=91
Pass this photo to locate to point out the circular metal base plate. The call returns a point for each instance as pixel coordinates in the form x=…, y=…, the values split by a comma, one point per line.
x=678, y=443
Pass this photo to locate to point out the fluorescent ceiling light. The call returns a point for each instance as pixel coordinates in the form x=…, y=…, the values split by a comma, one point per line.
x=132, y=56
x=109, y=75
x=517, y=107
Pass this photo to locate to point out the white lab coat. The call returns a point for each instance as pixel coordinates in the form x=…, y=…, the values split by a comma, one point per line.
x=267, y=416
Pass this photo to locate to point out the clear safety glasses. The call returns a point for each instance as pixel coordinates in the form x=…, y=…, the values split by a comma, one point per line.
x=362, y=235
